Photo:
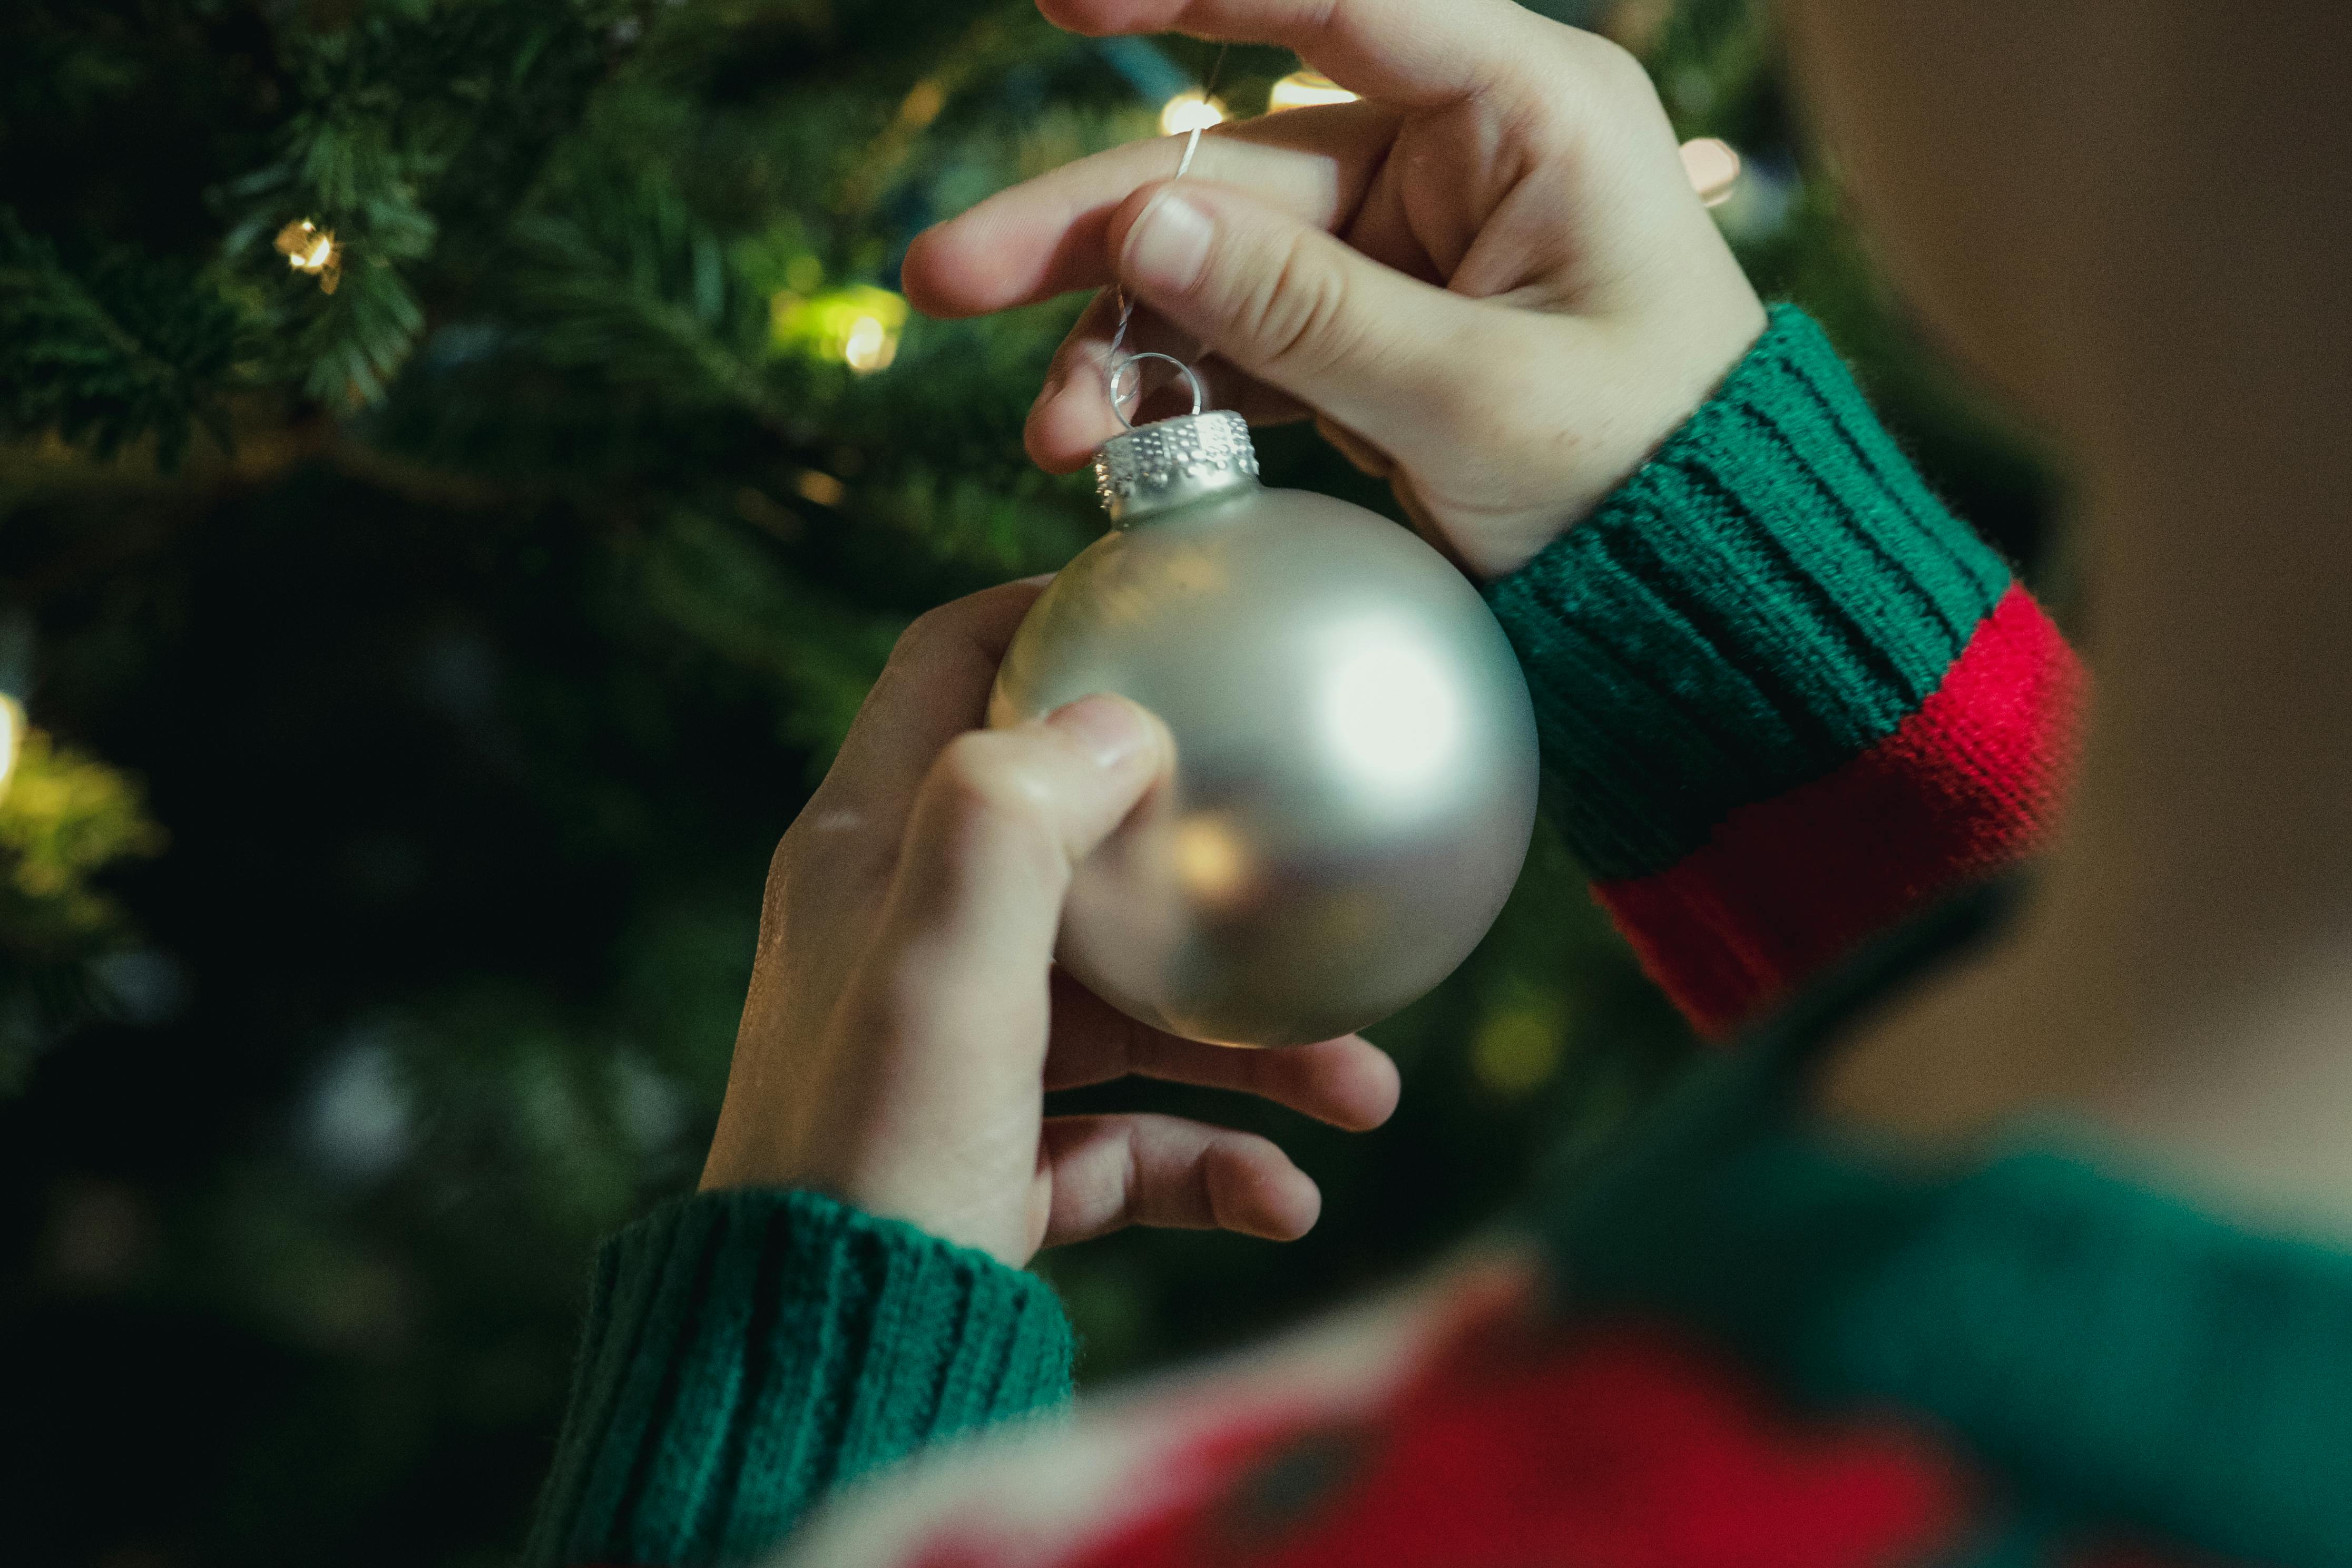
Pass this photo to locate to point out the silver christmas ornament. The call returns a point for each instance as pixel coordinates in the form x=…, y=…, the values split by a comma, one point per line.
x=1355, y=776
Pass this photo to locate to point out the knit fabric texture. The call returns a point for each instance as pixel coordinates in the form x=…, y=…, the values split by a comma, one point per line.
x=1744, y=1343
x=746, y=1353
x=1784, y=696
x=2118, y=1362
x=1773, y=593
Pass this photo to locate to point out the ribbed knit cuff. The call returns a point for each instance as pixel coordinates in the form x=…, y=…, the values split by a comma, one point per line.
x=747, y=1351
x=1770, y=594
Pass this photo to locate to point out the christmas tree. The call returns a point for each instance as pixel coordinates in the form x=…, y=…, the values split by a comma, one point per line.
x=462, y=462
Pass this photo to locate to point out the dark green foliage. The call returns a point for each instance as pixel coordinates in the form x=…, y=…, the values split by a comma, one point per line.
x=475, y=629
x=419, y=113
x=122, y=346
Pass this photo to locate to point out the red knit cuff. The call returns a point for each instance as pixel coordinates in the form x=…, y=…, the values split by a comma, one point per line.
x=1968, y=784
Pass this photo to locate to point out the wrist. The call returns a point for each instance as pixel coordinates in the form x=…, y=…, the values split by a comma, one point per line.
x=1569, y=443
x=911, y=1191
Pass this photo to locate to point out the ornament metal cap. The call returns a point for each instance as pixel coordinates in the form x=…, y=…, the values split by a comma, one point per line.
x=1174, y=462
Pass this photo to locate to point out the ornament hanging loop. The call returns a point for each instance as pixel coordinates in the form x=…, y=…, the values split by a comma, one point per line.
x=1117, y=364
x=1132, y=362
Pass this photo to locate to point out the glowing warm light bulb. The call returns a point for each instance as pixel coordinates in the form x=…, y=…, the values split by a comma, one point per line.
x=12, y=731
x=856, y=325
x=870, y=345
x=816, y=484
x=1712, y=167
x=1190, y=109
x=1302, y=89
x=923, y=102
x=1516, y=1049
x=309, y=248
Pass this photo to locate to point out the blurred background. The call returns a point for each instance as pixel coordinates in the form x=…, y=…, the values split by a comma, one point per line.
x=461, y=463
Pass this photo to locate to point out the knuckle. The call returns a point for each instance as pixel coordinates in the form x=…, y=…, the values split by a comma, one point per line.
x=971, y=772
x=1611, y=65
x=1612, y=88
x=990, y=796
x=1299, y=315
x=925, y=634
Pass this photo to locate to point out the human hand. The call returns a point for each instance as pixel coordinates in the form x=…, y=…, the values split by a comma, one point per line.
x=904, y=1020
x=1489, y=281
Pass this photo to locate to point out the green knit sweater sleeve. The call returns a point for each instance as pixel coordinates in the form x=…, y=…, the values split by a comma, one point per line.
x=1772, y=593
x=746, y=1353
x=1784, y=695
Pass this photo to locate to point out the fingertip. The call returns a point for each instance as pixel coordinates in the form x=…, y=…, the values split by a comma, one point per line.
x=918, y=273
x=1114, y=731
x=1067, y=424
x=1278, y=1201
x=1296, y=1206
x=926, y=273
x=1348, y=1083
x=1376, y=1089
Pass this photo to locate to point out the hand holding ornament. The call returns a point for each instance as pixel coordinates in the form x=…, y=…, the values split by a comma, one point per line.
x=904, y=1022
x=1489, y=281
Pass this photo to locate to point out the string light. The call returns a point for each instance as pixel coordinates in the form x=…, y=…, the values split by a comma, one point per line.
x=923, y=102
x=307, y=248
x=1713, y=166
x=12, y=733
x=1518, y=1048
x=1189, y=109
x=816, y=484
x=857, y=325
x=871, y=345
x=1303, y=89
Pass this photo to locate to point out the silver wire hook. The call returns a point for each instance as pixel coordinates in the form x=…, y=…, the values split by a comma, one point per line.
x=1115, y=363
x=1199, y=393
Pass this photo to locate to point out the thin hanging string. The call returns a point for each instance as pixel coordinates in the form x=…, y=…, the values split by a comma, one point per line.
x=1117, y=365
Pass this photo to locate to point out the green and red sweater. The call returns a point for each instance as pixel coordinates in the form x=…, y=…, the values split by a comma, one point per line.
x=1786, y=703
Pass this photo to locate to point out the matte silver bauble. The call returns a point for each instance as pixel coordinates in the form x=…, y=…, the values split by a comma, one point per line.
x=1355, y=777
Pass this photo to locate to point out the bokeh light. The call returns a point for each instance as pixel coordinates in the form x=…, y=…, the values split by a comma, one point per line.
x=1304, y=88
x=12, y=726
x=1190, y=111
x=857, y=325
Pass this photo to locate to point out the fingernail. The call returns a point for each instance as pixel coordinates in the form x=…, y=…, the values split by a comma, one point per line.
x=1111, y=729
x=1168, y=245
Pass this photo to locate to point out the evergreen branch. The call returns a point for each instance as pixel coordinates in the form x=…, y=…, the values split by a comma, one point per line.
x=625, y=280
x=422, y=111
x=598, y=316
x=126, y=348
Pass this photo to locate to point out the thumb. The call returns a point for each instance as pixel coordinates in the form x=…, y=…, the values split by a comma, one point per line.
x=1001, y=821
x=1303, y=312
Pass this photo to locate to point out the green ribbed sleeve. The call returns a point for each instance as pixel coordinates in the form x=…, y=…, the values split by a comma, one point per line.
x=747, y=1351
x=1769, y=595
